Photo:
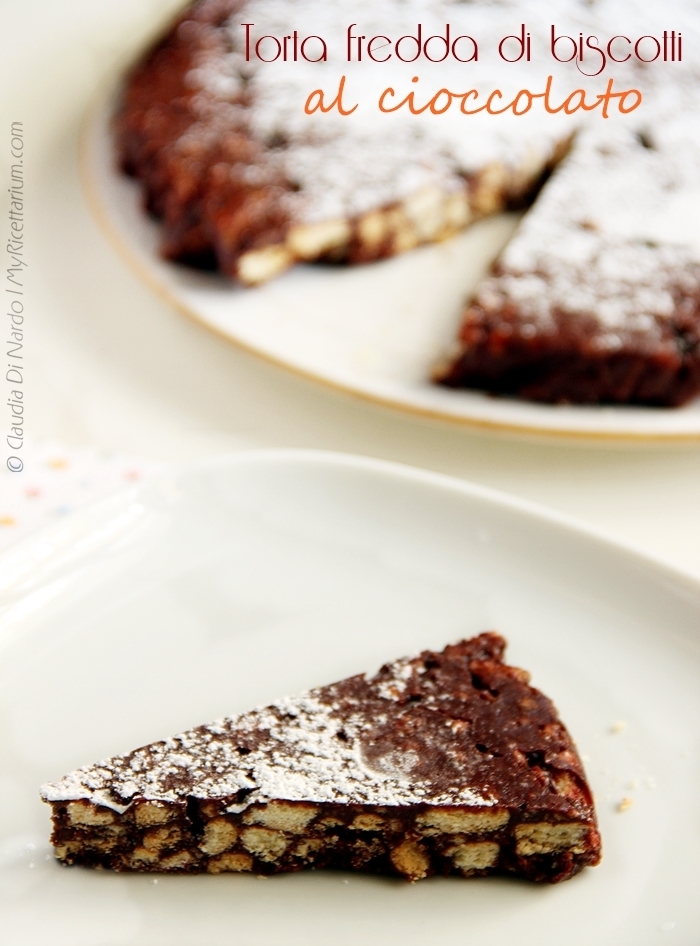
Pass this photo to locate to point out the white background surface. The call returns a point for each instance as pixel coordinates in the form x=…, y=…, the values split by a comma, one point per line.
x=111, y=366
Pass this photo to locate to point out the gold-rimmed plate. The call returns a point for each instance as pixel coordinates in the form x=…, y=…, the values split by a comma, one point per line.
x=374, y=331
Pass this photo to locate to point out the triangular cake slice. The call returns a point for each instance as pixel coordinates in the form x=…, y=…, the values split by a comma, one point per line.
x=444, y=763
x=597, y=297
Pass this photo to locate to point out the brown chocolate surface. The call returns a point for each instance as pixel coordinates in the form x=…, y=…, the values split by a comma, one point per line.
x=444, y=763
x=217, y=190
x=567, y=366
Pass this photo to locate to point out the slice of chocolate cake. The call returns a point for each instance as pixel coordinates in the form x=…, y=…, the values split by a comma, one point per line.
x=444, y=763
x=597, y=297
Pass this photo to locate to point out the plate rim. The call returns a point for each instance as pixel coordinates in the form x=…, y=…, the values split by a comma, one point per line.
x=62, y=532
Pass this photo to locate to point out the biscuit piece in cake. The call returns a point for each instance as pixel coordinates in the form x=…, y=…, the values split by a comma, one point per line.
x=444, y=763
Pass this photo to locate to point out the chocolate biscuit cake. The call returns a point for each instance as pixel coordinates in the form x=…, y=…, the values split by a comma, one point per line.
x=590, y=304
x=597, y=297
x=444, y=763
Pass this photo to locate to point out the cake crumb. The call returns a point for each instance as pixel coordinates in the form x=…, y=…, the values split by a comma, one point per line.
x=625, y=804
x=619, y=726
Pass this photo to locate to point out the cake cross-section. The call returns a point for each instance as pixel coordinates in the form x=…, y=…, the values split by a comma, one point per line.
x=444, y=763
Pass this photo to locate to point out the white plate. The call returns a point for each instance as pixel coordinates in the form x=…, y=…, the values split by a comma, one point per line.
x=374, y=331
x=231, y=584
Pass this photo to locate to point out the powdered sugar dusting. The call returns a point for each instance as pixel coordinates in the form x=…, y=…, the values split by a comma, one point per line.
x=613, y=237
x=300, y=748
x=452, y=728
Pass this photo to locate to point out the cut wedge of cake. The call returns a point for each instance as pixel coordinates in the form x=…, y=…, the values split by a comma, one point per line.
x=597, y=297
x=444, y=763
